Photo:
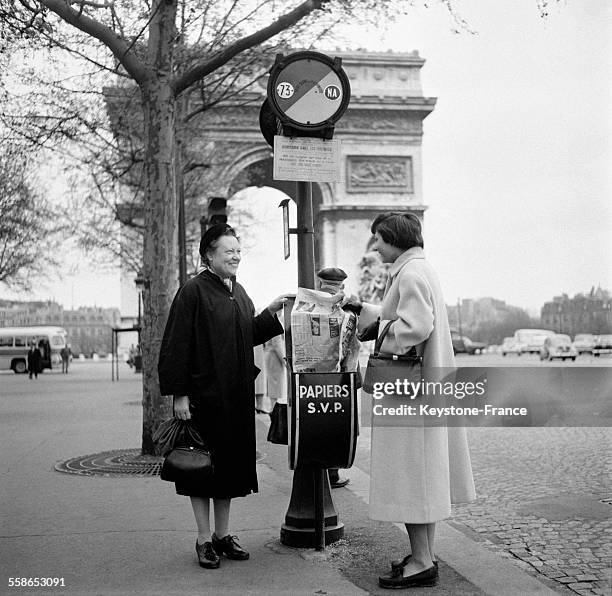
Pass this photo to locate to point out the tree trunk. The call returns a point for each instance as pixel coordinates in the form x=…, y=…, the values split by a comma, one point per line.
x=160, y=258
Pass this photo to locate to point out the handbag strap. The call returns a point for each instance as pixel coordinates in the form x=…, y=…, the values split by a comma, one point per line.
x=412, y=353
x=381, y=338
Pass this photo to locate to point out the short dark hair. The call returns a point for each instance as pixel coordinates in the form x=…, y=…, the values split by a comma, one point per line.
x=212, y=235
x=399, y=229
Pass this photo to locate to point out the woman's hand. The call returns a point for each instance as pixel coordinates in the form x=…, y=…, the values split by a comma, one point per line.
x=181, y=407
x=279, y=302
x=351, y=300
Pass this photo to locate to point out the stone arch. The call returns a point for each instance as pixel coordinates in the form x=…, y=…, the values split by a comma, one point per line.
x=242, y=173
x=254, y=168
x=380, y=158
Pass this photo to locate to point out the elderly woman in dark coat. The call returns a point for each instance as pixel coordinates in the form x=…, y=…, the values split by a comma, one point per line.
x=206, y=364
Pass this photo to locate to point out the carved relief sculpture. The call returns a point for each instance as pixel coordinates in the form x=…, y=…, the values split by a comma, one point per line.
x=382, y=173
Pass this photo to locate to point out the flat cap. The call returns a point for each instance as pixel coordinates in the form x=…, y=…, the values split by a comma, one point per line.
x=332, y=274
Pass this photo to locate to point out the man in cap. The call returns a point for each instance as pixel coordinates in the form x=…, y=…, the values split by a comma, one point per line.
x=331, y=279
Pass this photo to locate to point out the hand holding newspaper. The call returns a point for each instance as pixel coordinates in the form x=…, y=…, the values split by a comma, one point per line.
x=323, y=335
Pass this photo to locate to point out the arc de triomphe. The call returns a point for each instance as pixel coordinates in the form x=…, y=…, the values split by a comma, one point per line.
x=381, y=162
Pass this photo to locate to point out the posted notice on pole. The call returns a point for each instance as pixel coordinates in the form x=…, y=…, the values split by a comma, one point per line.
x=306, y=159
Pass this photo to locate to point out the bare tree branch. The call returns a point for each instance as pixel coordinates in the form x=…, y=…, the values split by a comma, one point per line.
x=222, y=57
x=118, y=46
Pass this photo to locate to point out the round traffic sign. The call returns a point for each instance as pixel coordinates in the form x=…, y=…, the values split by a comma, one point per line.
x=308, y=90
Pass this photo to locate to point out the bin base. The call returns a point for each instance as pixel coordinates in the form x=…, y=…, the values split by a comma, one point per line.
x=305, y=537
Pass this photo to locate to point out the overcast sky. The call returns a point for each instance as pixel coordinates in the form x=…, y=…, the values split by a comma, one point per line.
x=517, y=153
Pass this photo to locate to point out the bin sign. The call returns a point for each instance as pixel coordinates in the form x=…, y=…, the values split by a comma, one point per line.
x=323, y=420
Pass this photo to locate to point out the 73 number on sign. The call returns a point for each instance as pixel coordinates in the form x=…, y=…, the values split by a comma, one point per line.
x=284, y=90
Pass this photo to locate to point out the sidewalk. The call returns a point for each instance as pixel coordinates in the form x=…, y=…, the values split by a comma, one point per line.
x=133, y=535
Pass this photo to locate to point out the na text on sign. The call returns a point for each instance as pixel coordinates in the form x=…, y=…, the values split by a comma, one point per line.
x=308, y=90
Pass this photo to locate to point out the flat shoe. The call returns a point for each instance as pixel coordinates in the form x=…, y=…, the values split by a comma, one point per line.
x=207, y=557
x=229, y=547
x=398, y=565
x=429, y=577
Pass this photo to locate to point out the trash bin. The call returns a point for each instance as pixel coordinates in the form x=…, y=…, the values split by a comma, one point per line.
x=324, y=421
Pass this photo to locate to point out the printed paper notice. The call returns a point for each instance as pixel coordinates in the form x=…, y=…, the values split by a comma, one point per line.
x=306, y=159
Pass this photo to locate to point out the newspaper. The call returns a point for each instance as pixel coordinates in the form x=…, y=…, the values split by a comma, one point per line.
x=322, y=334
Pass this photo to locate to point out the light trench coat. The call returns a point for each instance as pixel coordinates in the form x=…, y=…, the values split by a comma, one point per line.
x=416, y=473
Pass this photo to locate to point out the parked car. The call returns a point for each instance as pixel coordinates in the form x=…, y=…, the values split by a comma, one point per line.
x=584, y=342
x=464, y=345
x=558, y=346
x=531, y=340
x=510, y=346
x=603, y=345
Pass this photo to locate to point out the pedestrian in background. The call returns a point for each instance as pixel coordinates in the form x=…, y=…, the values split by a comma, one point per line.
x=65, y=353
x=275, y=370
x=206, y=364
x=34, y=360
x=416, y=472
x=260, y=383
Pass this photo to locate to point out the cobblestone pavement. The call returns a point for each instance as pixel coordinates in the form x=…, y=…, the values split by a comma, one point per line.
x=543, y=501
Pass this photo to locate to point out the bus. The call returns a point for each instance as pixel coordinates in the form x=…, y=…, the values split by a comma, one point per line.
x=529, y=341
x=15, y=343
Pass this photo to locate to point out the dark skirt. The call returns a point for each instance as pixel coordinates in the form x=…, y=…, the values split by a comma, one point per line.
x=233, y=454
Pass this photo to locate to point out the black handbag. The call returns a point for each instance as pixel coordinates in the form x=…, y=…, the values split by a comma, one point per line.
x=387, y=368
x=186, y=464
x=278, y=432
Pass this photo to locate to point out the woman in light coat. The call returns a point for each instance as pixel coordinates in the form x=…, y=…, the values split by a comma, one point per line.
x=416, y=472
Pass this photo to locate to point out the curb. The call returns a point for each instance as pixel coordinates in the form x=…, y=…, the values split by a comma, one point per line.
x=482, y=568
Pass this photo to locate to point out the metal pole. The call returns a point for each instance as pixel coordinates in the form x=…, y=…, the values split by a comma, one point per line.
x=139, y=316
x=113, y=351
x=306, y=279
x=305, y=237
x=311, y=519
x=319, y=522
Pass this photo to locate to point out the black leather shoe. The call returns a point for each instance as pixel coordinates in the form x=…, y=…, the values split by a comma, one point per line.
x=340, y=483
x=207, y=556
x=398, y=565
x=229, y=547
x=429, y=577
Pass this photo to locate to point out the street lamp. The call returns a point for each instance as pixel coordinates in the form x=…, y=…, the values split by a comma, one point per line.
x=140, y=284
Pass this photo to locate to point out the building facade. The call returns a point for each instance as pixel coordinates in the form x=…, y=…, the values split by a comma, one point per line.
x=584, y=313
x=89, y=327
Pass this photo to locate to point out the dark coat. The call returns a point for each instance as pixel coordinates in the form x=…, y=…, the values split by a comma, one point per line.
x=207, y=354
x=34, y=360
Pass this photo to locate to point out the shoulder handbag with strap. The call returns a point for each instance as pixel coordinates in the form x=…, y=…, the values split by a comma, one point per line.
x=387, y=368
